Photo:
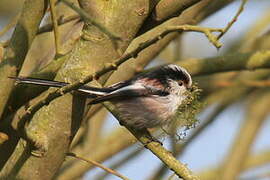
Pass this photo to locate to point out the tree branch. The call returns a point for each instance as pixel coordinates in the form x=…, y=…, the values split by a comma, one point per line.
x=60, y=21
x=88, y=19
x=230, y=62
x=156, y=148
x=55, y=27
x=111, y=171
x=229, y=25
x=19, y=44
x=166, y=8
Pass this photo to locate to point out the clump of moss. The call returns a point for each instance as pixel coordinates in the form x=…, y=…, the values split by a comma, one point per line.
x=187, y=112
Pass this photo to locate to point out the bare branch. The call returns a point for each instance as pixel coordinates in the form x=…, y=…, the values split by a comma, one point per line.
x=230, y=62
x=55, y=27
x=60, y=21
x=156, y=148
x=121, y=162
x=229, y=25
x=111, y=171
x=166, y=8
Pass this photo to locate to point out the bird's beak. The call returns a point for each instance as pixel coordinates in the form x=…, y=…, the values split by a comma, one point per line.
x=189, y=86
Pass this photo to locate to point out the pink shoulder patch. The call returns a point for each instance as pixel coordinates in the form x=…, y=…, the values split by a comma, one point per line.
x=152, y=82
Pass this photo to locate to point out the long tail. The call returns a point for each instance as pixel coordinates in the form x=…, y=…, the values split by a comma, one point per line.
x=49, y=83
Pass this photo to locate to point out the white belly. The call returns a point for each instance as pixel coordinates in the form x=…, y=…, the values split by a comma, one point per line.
x=147, y=112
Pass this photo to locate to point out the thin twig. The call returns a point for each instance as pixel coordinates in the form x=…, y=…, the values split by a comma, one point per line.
x=60, y=21
x=121, y=162
x=55, y=27
x=251, y=83
x=177, y=48
x=89, y=20
x=208, y=32
x=241, y=8
x=111, y=171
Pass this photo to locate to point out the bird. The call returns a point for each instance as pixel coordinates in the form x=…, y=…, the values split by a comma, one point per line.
x=147, y=100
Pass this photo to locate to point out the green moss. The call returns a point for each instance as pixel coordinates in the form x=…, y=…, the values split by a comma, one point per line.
x=188, y=110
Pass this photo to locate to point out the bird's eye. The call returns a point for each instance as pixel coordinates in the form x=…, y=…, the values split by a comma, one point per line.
x=180, y=83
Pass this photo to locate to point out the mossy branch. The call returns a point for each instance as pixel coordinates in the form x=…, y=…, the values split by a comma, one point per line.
x=167, y=8
x=230, y=62
x=89, y=20
x=156, y=148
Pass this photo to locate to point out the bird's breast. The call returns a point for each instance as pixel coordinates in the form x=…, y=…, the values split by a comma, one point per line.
x=147, y=112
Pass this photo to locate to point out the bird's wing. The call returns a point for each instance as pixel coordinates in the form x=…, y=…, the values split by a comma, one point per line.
x=129, y=91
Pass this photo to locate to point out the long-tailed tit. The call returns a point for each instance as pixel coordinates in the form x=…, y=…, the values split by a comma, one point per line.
x=147, y=100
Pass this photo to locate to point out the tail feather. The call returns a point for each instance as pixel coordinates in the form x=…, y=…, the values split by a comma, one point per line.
x=57, y=84
x=42, y=82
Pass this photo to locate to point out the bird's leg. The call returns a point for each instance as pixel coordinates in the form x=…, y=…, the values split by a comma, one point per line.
x=152, y=138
